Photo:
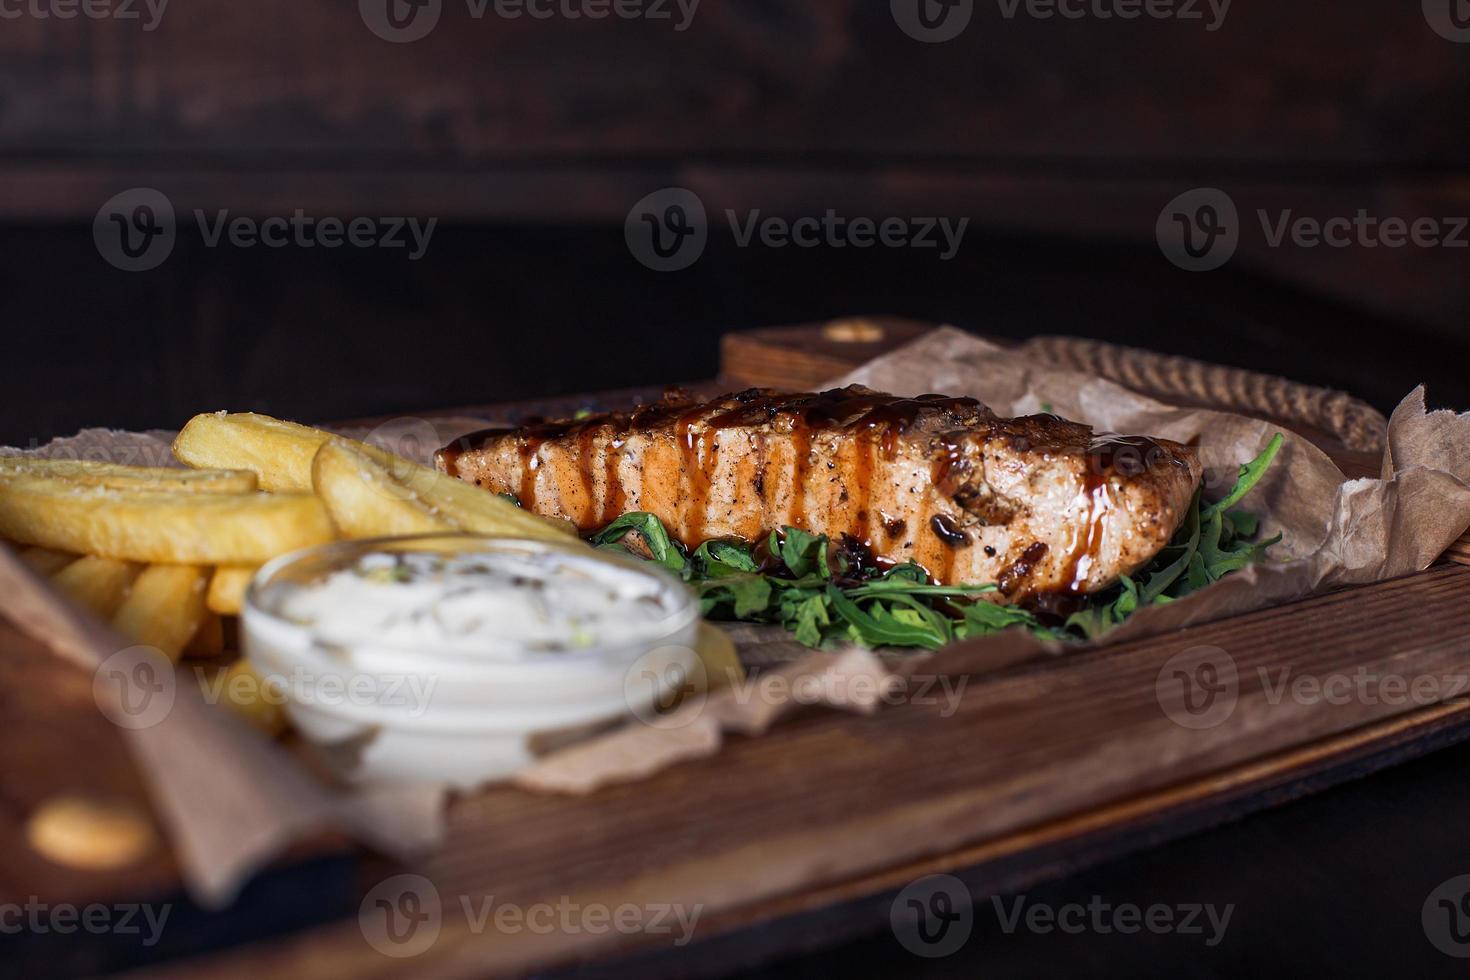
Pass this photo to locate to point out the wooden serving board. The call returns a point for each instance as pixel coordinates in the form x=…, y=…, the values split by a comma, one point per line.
x=804, y=836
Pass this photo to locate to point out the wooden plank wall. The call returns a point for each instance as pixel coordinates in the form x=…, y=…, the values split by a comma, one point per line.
x=1061, y=127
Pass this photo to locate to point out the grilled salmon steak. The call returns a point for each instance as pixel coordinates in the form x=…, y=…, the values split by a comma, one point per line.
x=1037, y=505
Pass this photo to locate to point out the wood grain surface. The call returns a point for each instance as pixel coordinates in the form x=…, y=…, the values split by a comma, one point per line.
x=835, y=807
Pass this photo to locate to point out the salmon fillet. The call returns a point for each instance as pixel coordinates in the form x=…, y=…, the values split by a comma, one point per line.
x=1037, y=505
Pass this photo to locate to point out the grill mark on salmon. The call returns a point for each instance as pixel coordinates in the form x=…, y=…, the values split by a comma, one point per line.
x=1037, y=505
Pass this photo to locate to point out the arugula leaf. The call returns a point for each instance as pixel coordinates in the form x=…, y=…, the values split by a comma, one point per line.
x=881, y=628
x=810, y=617
x=1159, y=580
x=1243, y=523
x=804, y=553
x=717, y=559
x=1250, y=474
x=665, y=550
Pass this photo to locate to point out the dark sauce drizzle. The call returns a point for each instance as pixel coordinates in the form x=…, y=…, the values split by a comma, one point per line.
x=880, y=420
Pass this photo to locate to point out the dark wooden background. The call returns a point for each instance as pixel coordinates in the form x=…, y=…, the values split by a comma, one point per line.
x=529, y=141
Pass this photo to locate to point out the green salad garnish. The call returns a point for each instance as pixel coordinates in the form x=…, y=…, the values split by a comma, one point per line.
x=826, y=592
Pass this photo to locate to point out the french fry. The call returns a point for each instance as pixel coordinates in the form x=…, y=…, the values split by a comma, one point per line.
x=209, y=639
x=167, y=528
x=44, y=561
x=279, y=453
x=474, y=509
x=100, y=584
x=117, y=477
x=164, y=608
x=227, y=589
x=717, y=652
x=282, y=453
x=364, y=499
x=241, y=690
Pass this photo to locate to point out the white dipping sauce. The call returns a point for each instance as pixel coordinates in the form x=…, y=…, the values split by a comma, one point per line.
x=505, y=607
x=447, y=658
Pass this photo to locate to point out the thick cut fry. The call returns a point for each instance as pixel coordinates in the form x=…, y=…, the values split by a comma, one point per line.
x=118, y=477
x=100, y=584
x=44, y=561
x=722, y=666
x=282, y=454
x=364, y=499
x=209, y=639
x=227, y=589
x=241, y=690
x=279, y=453
x=164, y=608
x=477, y=510
x=171, y=528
